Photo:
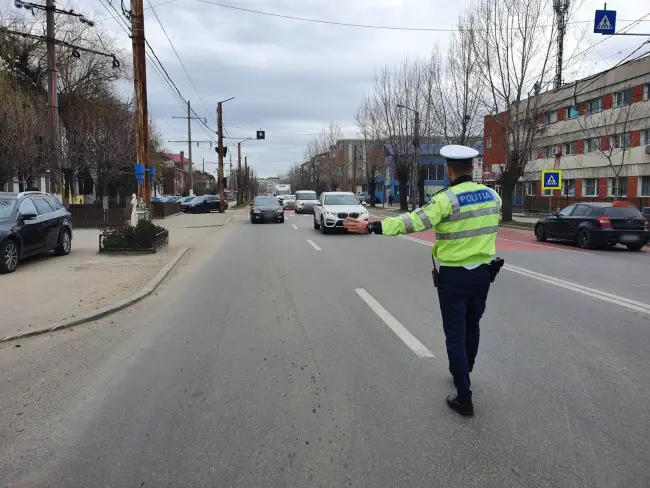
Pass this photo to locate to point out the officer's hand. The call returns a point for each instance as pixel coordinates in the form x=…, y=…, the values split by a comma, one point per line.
x=356, y=226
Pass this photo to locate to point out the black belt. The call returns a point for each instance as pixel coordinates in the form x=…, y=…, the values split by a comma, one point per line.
x=493, y=267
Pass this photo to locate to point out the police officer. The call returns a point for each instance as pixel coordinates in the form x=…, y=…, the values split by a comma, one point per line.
x=465, y=217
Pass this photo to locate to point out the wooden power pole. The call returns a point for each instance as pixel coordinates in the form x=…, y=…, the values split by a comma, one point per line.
x=222, y=194
x=140, y=92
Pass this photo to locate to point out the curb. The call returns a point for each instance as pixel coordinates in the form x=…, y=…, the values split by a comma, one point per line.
x=148, y=289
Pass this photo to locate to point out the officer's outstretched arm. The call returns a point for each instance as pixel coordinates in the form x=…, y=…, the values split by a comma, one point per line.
x=420, y=220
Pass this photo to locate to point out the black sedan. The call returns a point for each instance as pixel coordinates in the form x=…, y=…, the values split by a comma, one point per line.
x=265, y=209
x=32, y=223
x=596, y=224
x=203, y=204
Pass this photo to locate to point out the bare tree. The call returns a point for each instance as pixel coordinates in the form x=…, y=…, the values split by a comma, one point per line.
x=513, y=50
x=458, y=96
x=607, y=132
x=366, y=119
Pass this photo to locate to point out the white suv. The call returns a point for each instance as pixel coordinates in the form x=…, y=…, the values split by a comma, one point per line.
x=334, y=207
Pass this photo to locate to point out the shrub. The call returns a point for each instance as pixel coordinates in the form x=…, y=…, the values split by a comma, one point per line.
x=142, y=237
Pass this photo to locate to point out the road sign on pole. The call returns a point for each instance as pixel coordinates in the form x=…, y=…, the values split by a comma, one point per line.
x=552, y=179
x=605, y=22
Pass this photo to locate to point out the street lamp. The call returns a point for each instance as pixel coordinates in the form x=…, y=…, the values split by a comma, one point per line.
x=416, y=152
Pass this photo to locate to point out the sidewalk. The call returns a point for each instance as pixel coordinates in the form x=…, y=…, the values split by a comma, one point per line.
x=49, y=289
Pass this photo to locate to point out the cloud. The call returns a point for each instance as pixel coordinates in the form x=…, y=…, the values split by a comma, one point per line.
x=291, y=78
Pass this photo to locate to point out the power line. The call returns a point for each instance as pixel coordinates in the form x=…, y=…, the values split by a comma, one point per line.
x=180, y=61
x=362, y=26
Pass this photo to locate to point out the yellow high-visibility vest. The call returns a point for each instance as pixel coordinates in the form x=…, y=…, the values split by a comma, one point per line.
x=465, y=218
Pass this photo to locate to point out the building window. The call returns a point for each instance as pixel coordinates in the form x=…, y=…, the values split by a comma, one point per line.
x=645, y=136
x=590, y=187
x=593, y=144
x=612, y=189
x=621, y=141
x=546, y=193
x=623, y=98
x=551, y=117
x=549, y=151
x=646, y=91
x=531, y=188
x=644, y=186
x=435, y=172
x=570, y=112
x=594, y=105
x=488, y=142
x=569, y=188
x=570, y=148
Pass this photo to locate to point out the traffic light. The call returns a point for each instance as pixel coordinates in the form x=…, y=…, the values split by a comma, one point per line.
x=261, y=135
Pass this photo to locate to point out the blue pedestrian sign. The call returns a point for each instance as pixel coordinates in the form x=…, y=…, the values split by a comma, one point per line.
x=552, y=179
x=605, y=22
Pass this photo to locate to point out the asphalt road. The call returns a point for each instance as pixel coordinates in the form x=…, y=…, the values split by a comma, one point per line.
x=269, y=361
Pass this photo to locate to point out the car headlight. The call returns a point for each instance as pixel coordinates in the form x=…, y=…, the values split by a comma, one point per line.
x=364, y=213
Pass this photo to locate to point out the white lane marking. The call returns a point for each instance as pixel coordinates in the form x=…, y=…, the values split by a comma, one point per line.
x=294, y=226
x=546, y=247
x=314, y=245
x=407, y=338
x=569, y=285
x=585, y=290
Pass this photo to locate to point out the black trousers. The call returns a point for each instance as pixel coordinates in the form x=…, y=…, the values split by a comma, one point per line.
x=462, y=294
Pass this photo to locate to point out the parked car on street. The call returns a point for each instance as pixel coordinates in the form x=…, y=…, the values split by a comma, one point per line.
x=32, y=223
x=289, y=202
x=334, y=207
x=203, y=204
x=593, y=224
x=265, y=209
x=305, y=200
x=185, y=202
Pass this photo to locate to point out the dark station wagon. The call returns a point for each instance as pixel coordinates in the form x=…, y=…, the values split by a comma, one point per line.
x=593, y=224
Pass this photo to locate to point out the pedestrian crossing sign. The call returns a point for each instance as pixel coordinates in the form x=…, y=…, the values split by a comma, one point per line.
x=605, y=22
x=552, y=179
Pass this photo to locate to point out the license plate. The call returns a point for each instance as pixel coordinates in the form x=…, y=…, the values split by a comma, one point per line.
x=629, y=238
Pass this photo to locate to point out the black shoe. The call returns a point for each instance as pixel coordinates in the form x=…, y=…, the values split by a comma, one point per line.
x=466, y=409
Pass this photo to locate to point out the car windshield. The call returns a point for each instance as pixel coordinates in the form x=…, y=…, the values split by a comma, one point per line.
x=6, y=207
x=266, y=201
x=198, y=199
x=307, y=196
x=341, y=200
x=622, y=213
x=290, y=197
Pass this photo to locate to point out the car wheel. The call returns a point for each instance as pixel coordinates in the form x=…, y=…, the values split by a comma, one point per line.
x=65, y=243
x=282, y=219
x=584, y=239
x=8, y=256
x=635, y=247
x=316, y=224
x=323, y=229
x=540, y=233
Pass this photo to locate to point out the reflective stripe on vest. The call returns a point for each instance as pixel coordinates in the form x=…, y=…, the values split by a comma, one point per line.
x=424, y=218
x=471, y=213
x=448, y=236
x=407, y=223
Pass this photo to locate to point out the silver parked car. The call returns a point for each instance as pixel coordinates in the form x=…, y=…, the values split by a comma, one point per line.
x=305, y=201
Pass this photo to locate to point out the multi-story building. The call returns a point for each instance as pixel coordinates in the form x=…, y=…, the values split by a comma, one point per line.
x=596, y=130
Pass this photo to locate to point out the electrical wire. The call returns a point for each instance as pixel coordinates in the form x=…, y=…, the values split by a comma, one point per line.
x=362, y=26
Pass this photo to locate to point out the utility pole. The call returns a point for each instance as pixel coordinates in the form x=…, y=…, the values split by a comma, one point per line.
x=246, y=176
x=52, y=92
x=204, y=165
x=230, y=174
x=189, y=141
x=354, y=171
x=416, y=160
x=220, y=149
x=240, y=196
x=140, y=92
x=561, y=8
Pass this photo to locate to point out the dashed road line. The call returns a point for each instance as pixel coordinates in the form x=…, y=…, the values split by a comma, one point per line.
x=314, y=245
x=294, y=226
x=407, y=338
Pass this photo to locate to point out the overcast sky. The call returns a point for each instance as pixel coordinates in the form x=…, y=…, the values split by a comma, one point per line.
x=292, y=77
